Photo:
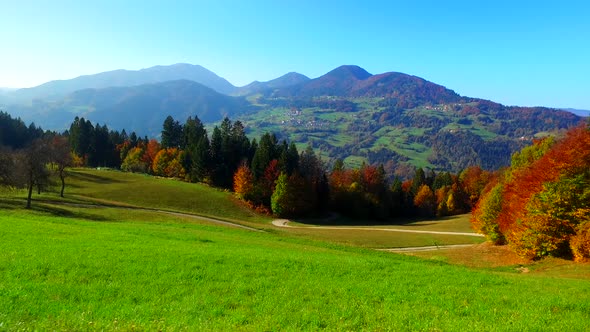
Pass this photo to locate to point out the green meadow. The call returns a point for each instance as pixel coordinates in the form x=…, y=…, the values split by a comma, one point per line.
x=77, y=268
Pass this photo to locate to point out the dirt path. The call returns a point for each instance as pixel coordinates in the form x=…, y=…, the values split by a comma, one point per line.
x=427, y=248
x=177, y=214
x=213, y=220
x=285, y=223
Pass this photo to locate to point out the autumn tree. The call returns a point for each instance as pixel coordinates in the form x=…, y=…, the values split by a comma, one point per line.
x=134, y=161
x=541, y=204
x=552, y=218
x=151, y=150
x=486, y=213
x=441, y=195
x=425, y=201
x=244, y=182
x=168, y=162
x=473, y=180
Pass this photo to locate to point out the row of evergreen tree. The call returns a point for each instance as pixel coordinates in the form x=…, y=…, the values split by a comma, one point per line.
x=15, y=134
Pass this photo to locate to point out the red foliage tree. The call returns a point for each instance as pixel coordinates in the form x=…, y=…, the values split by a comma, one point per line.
x=474, y=179
x=568, y=155
x=151, y=150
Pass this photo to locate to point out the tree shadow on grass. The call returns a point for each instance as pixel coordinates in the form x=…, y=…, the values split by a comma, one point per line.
x=19, y=204
x=92, y=178
x=11, y=204
x=66, y=213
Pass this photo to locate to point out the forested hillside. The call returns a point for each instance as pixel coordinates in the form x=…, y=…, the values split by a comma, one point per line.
x=403, y=131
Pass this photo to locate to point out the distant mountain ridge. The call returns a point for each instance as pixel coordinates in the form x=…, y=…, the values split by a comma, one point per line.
x=125, y=78
x=354, y=81
x=140, y=108
x=286, y=80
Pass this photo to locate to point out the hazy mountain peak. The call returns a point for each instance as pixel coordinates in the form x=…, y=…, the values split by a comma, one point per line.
x=349, y=71
x=287, y=80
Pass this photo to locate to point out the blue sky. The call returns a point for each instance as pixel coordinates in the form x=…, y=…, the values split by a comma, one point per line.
x=514, y=52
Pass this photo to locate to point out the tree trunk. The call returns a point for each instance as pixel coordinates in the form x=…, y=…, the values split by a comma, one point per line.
x=63, y=183
x=30, y=194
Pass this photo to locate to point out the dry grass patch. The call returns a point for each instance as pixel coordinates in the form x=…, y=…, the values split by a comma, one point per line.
x=501, y=258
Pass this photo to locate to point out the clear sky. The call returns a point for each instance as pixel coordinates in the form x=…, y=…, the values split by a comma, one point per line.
x=514, y=52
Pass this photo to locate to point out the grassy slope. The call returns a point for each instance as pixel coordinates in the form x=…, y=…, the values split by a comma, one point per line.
x=146, y=191
x=109, y=269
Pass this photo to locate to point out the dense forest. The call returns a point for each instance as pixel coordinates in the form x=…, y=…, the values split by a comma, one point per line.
x=540, y=206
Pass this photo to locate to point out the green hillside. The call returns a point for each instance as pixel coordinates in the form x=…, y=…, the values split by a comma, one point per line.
x=106, y=268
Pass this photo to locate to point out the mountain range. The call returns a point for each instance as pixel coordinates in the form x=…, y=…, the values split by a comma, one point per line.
x=126, y=78
x=347, y=113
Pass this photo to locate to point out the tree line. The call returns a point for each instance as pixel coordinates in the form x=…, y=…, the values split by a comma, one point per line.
x=269, y=175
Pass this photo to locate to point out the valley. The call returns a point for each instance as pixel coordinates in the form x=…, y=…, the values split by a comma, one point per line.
x=294, y=166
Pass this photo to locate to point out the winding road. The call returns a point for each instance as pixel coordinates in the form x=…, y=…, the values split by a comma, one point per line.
x=285, y=223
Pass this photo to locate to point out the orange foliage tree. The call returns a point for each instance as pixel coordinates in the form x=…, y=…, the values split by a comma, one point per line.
x=425, y=200
x=244, y=182
x=541, y=205
x=167, y=162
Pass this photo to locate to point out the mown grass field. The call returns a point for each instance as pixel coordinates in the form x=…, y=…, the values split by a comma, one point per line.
x=79, y=268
